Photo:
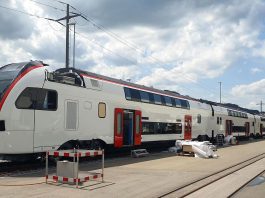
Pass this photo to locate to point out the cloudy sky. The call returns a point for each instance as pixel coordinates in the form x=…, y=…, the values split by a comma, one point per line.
x=183, y=45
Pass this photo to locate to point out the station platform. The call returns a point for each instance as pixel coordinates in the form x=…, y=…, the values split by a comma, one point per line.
x=150, y=176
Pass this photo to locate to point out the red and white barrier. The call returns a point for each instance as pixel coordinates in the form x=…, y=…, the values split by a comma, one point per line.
x=75, y=154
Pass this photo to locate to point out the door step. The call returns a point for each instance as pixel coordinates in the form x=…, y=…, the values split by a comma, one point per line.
x=139, y=153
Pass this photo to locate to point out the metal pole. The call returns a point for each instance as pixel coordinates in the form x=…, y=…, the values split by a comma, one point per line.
x=103, y=165
x=74, y=49
x=77, y=165
x=67, y=38
x=47, y=166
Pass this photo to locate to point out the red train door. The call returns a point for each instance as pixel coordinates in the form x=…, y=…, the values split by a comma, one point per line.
x=247, y=128
x=188, y=124
x=118, y=127
x=137, y=132
x=228, y=130
x=261, y=129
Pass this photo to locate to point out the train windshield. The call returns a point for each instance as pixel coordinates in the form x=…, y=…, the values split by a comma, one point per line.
x=7, y=74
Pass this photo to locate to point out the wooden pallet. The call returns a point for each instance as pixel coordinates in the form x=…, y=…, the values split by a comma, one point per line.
x=186, y=154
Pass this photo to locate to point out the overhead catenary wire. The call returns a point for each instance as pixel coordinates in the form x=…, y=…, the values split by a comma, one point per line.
x=134, y=47
x=44, y=4
x=103, y=47
x=95, y=43
x=49, y=19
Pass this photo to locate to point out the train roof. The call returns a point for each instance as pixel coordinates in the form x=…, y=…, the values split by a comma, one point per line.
x=124, y=83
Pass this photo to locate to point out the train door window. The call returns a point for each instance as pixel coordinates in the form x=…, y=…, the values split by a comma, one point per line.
x=101, y=110
x=137, y=124
x=157, y=99
x=217, y=120
x=220, y=121
x=127, y=93
x=168, y=101
x=144, y=96
x=178, y=103
x=199, y=118
x=119, y=123
x=253, y=124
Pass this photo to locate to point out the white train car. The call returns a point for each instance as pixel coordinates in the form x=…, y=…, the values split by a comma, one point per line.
x=42, y=110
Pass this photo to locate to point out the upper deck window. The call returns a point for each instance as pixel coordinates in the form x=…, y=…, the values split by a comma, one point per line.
x=168, y=101
x=127, y=93
x=157, y=99
x=185, y=104
x=144, y=96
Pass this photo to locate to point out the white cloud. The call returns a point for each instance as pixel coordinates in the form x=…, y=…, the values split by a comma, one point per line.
x=182, y=43
x=255, y=70
x=124, y=73
x=250, y=90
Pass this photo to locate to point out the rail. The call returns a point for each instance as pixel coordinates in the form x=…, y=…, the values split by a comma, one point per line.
x=197, y=184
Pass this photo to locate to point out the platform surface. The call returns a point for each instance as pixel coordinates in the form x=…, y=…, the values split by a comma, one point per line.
x=149, y=176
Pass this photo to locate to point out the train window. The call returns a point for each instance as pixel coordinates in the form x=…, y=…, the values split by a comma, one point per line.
x=178, y=128
x=151, y=97
x=253, y=124
x=137, y=124
x=220, y=120
x=46, y=100
x=161, y=128
x=199, y=118
x=119, y=124
x=127, y=93
x=168, y=101
x=217, y=120
x=37, y=98
x=135, y=94
x=184, y=104
x=101, y=110
x=26, y=99
x=163, y=100
x=178, y=103
x=157, y=99
x=144, y=96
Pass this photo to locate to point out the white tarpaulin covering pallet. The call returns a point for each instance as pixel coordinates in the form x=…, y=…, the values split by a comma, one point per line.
x=201, y=149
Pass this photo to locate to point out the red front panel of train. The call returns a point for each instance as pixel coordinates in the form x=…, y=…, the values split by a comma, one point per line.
x=188, y=129
x=137, y=128
x=118, y=128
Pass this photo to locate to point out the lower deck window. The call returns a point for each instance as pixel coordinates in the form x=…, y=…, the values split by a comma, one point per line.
x=161, y=128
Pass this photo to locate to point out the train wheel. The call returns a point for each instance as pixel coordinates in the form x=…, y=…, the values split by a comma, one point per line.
x=97, y=145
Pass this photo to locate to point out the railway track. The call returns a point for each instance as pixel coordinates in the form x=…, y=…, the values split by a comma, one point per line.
x=15, y=168
x=197, y=184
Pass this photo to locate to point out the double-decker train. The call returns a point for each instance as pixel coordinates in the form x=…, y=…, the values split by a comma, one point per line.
x=42, y=110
